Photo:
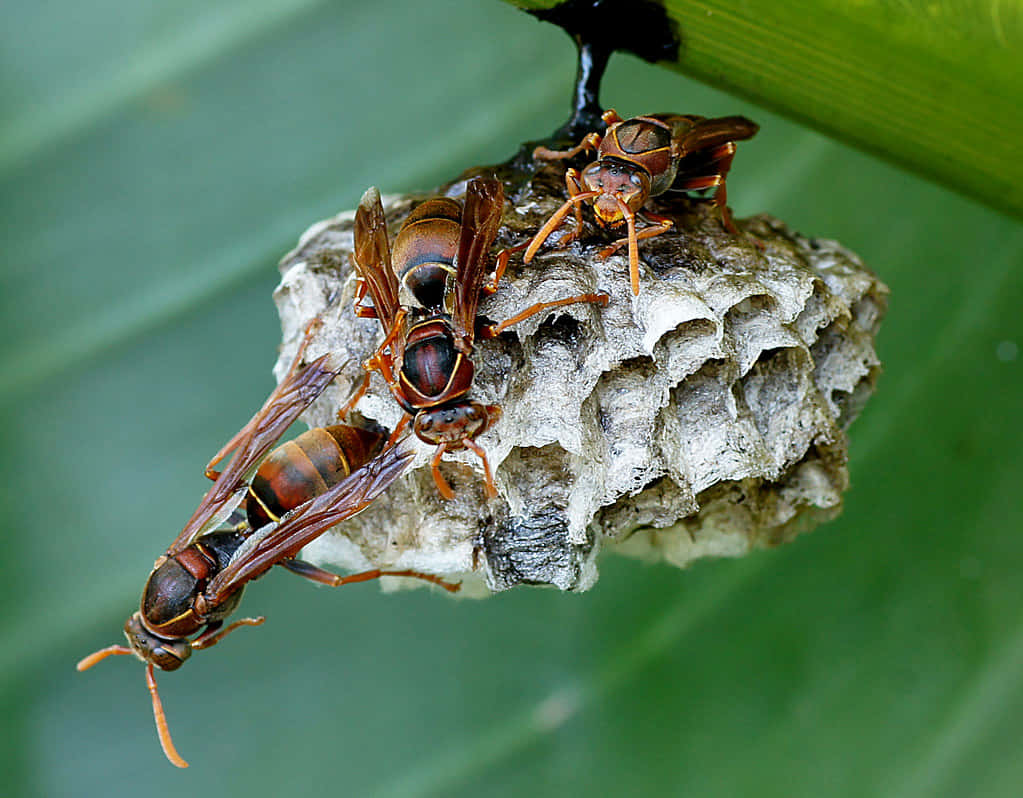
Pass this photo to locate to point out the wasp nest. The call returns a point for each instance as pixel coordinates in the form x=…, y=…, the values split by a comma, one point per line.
x=703, y=417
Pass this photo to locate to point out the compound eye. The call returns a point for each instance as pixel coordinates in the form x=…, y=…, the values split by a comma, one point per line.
x=593, y=176
x=170, y=656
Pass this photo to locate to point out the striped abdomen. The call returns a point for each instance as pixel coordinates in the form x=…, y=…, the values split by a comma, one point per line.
x=307, y=466
x=424, y=250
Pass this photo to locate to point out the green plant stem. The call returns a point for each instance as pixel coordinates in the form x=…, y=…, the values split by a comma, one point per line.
x=936, y=88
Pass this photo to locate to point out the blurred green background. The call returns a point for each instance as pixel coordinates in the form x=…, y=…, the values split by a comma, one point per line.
x=156, y=159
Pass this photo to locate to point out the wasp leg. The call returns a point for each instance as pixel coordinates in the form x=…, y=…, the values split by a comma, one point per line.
x=720, y=196
x=552, y=224
x=213, y=634
x=353, y=400
x=502, y=263
x=381, y=361
x=611, y=117
x=591, y=141
x=493, y=330
x=399, y=429
x=488, y=475
x=573, y=183
x=324, y=577
x=442, y=485
x=720, y=159
x=363, y=311
x=663, y=224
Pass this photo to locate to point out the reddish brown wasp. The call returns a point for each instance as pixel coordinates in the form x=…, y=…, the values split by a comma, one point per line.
x=441, y=252
x=323, y=477
x=640, y=158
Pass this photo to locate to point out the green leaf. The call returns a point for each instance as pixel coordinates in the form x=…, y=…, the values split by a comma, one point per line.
x=879, y=655
x=933, y=86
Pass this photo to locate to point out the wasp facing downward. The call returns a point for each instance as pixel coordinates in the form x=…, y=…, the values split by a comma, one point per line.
x=442, y=254
x=298, y=492
x=640, y=158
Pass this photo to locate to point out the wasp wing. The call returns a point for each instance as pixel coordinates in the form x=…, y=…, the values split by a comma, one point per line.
x=302, y=526
x=481, y=219
x=373, y=257
x=293, y=395
x=700, y=134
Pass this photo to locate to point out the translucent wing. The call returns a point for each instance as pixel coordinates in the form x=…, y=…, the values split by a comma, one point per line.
x=700, y=134
x=293, y=395
x=481, y=219
x=373, y=257
x=302, y=526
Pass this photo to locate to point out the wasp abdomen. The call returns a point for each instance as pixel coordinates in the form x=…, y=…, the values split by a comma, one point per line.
x=307, y=466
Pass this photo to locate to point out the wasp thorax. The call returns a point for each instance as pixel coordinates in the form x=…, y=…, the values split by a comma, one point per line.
x=167, y=655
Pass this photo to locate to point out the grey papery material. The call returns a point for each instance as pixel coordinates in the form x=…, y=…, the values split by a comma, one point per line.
x=704, y=417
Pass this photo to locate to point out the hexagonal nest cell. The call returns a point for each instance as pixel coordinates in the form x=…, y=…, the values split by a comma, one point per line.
x=703, y=417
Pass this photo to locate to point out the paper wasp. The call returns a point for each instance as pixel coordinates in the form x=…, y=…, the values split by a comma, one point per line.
x=442, y=252
x=640, y=158
x=323, y=477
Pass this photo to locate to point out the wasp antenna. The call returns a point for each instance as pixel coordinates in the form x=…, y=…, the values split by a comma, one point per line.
x=87, y=662
x=161, y=723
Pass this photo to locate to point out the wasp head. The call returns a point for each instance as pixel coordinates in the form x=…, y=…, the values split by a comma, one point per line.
x=452, y=424
x=167, y=655
x=621, y=185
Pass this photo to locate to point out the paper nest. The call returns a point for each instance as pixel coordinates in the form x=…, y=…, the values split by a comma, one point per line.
x=704, y=417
